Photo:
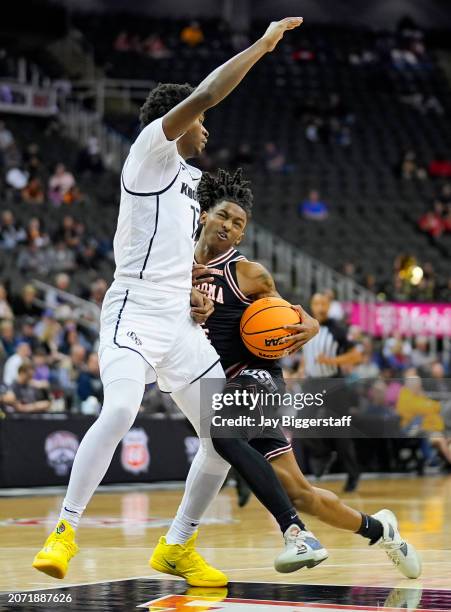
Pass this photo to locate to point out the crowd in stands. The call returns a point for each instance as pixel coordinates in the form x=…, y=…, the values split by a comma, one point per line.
x=437, y=220
x=398, y=379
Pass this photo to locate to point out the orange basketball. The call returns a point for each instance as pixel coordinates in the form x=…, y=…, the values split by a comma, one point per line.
x=262, y=324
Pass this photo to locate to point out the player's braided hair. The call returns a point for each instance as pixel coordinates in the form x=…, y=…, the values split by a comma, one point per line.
x=161, y=99
x=225, y=186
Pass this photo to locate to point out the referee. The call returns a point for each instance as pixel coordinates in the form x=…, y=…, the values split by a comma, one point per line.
x=323, y=357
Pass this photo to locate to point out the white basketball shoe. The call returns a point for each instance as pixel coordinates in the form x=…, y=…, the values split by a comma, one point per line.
x=302, y=549
x=402, y=554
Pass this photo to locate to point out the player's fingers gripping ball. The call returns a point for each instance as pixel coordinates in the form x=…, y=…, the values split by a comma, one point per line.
x=262, y=327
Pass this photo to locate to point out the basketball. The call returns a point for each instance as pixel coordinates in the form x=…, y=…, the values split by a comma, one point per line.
x=262, y=324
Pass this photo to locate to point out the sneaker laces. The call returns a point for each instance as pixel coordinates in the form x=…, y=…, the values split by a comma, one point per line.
x=299, y=538
x=391, y=548
x=70, y=547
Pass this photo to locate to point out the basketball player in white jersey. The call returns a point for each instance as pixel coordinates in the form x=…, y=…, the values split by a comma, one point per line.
x=147, y=333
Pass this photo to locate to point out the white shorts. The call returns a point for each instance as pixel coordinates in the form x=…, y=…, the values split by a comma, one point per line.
x=157, y=325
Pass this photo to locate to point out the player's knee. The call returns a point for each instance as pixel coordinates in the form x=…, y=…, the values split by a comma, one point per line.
x=226, y=447
x=214, y=463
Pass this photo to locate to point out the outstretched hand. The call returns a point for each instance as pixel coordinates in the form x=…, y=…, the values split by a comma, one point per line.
x=277, y=29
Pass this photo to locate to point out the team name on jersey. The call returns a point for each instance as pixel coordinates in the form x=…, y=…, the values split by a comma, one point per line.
x=188, y=191
x=213, y=292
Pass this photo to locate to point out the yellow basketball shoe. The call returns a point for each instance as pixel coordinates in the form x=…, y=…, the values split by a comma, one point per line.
x=183, y=560
x=59, y=548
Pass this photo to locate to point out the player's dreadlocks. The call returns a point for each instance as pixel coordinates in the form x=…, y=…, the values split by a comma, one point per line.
x=161, y=99
x=225, y=186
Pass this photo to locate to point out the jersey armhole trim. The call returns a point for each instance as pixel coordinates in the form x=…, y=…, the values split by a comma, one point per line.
x=149, y=193
x=233, y=285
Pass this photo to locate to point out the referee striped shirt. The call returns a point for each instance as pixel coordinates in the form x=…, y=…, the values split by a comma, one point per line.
x=331, y=341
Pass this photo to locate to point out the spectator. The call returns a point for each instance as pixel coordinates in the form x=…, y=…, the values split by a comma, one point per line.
x=25, y=304
x=62, y=186
x=28, y=397
x=409, y=168
x=41, y=374
x=98, y=290
x=192, y=34
x=28, y=335
x=367, y=368
x=313, y=208
x=6, y=137
x=377, y=405
x=90, y=159
x=62, y=259
x=32, y=159
x=70, y=368
x=418, y=412
x=11, y=233
x=35, y=235
x=5, y=309
x=349, y=269
x=7, y=400
x=53, y=299
x=421, y=357
x=88, y=256
x=89, y=383
x=432, y=221
x=13, y=363
x=68, y=232
x=397, y=352
x=122, y=42
x=33, y=193
x=49, y=332
x=154, y=47
x=274, y=160
x=7, y=339
x=34, y=260
x=336, y=311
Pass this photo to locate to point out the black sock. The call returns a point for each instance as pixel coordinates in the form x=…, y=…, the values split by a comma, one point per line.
x=288, y=518
x=370, y=528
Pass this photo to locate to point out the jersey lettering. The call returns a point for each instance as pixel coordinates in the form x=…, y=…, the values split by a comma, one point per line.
x=188, y=191
x=213, y=292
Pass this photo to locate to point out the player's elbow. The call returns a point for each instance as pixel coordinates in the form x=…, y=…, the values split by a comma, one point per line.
x=205, y=97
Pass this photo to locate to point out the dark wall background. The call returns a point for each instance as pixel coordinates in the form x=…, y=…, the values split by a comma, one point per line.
x=379, y=13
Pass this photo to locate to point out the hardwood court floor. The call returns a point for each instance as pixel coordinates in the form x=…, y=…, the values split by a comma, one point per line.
x=120, y=529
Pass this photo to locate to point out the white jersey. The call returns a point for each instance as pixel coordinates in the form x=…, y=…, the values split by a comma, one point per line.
x=158, y=215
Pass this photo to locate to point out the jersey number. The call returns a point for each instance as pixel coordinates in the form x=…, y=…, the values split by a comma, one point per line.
x=262, y=376
x=196, y=217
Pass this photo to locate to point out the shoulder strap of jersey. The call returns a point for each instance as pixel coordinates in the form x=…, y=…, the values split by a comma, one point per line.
x=230, y=276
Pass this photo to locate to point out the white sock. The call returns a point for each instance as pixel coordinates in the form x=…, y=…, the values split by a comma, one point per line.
x=181, y=529
x=71, y=513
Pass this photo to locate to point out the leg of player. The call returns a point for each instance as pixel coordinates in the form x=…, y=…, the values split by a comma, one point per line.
x=122, y=399
x=302, y=549
x=175, y=553
x=380, y=528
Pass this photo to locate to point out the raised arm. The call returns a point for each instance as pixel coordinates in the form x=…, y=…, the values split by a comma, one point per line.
x=217, y=85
